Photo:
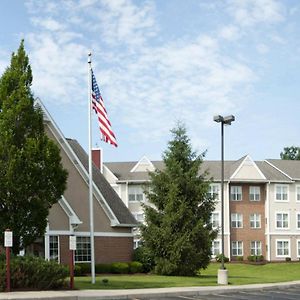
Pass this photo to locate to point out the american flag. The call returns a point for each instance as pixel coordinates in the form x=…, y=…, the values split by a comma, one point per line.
x=107, y=134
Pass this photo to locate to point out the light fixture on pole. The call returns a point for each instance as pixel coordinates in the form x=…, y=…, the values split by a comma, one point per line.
x=222, y=272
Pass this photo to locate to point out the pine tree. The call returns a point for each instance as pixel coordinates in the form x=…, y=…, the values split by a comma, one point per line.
x=178, y=230
x=32, y=178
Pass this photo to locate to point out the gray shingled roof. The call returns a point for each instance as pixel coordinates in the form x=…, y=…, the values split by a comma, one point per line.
x=289, y=167
x=113, y=200
x=122, y=169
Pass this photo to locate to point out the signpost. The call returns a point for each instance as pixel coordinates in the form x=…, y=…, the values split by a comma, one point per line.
x=8, y=243
x=72, y=247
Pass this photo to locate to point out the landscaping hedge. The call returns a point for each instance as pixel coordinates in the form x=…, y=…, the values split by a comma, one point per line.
x=35, y=273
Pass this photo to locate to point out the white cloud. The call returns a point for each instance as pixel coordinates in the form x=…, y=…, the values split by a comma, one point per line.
x=147, y=87
x=229, y=32
x=262, y=48
x=252, y=12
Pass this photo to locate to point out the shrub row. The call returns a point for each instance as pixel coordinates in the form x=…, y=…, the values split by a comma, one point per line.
x=114, y=268
x=31, y=272
x=255, y=258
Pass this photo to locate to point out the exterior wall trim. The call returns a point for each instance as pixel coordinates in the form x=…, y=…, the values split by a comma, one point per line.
x=87, y=233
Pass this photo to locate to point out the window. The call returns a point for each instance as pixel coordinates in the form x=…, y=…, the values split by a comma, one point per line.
x=136, y=243
x=135, y=193
x=255, y=248
x=53, y=248
x=214, y=191
x=236, y=220
x=298, y=248
x=281, y=192
x=83, y=251
x=237, y=248
x=216, y=248
x=254, y=193
x=236, y=193
x=139, y=217
x=282, y=248
x=298, y=220
x=282, y=220
x=298, y=193
x=255, y=220
x=215, y=220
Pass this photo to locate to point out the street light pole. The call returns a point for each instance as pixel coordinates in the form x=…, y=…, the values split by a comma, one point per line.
x=222, y=272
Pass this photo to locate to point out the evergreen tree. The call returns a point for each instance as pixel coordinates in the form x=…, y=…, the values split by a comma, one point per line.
x=178, y=230
x=32, y=178
x=292, y=153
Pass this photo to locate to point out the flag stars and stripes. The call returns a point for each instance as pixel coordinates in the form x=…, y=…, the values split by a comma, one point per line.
x=107, y=134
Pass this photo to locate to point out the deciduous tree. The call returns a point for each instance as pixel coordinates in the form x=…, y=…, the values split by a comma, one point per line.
x=32, y=178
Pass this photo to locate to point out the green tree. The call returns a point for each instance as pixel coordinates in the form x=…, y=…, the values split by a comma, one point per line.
x=32, y=178
x=292, y=153
x=178, y=230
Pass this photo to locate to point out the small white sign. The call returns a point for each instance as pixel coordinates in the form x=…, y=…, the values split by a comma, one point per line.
x=8, y=239
x=72, y=242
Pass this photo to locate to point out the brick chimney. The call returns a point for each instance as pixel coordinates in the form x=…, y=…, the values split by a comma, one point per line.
x=97, y=158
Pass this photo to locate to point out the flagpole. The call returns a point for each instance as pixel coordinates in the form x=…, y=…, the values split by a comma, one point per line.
x=91, y=171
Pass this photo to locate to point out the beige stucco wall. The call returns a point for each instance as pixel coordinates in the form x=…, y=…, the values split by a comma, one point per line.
x=77, y=196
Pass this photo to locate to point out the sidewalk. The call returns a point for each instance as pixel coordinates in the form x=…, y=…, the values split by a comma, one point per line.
x=137, y=293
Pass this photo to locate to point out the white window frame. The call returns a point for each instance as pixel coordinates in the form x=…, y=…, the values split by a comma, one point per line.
x=287, y=192
x=296, y=192
x=78, y=240
x=213, y=254
x=288, y=219
x=257, y=219
x=257, y=250
x=136, y=191
x=254, y=192
x=235, y=191
x=289, y=247
x=298, y=247
x=214, y=191
x=218, y=219
x=237, y=243
x=136, y=243
x=58, y=248
x=139, y=216
x=237, y=218
x=297, y=220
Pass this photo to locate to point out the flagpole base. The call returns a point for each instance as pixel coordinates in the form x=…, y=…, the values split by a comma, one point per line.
x=223, y=276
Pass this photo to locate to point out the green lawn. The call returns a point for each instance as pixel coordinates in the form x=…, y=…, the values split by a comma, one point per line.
x=238, y=274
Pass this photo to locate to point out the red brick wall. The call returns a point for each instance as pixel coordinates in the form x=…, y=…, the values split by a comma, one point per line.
x=246, y=208
x=107, y=249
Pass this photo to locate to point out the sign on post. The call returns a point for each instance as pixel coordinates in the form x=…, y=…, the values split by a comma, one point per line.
x=72, y=242
x=8, y=239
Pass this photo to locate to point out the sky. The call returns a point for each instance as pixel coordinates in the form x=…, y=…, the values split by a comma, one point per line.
x=160, y=62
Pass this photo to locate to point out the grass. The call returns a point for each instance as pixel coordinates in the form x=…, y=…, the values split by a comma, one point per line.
x=238, y=274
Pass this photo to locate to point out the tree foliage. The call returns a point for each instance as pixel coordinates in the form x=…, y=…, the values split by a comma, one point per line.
x=32, y=178
x=292, y=153
x=178, y=229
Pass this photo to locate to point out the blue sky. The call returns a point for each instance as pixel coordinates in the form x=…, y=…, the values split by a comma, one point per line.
x=164, y=61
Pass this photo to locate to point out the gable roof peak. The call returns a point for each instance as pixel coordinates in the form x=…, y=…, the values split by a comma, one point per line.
x=143, y=165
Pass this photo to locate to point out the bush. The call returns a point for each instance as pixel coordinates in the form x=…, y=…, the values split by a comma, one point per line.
x=77, y=270
x=120, y=268
x=30, y=272
x=288, y=259
x=103, y=268
x=85, y=268
x=240, y=258
x=255, y=258
x=135, y=267
x=145, y=257
x=219, y=258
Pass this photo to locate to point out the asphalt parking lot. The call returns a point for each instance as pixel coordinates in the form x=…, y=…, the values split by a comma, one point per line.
x=274, y=293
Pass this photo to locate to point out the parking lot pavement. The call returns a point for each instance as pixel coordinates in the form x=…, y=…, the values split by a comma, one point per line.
x=291, y=293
